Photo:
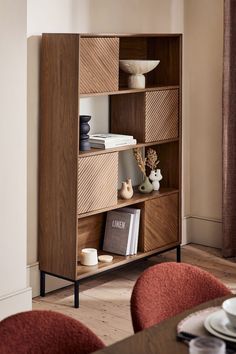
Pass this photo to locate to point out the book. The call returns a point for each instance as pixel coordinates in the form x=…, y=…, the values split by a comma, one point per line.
x=118, y=232
x=109, y=137
x=135, y=231
x=112, y=144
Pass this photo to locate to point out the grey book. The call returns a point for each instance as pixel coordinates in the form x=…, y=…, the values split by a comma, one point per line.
x=118, y=232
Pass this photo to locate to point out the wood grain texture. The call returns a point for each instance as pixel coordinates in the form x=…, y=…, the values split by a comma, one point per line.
x=137, y=198
x=118, y=261
x=126, y=90
x=169, y=157
x=150, y=116
x=159, y=223
x=91, y=231
x=97, y=182
x=161, y=115
x=94, y=151
x=127, y=115
x=99, y=64
x=58, y=154
x=167, y=50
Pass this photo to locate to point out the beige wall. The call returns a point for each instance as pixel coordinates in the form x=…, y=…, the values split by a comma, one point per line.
x=203, y=90
x=14, y=295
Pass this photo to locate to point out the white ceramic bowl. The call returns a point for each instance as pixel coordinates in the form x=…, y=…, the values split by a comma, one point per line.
x=136, y=69
x=229, y=306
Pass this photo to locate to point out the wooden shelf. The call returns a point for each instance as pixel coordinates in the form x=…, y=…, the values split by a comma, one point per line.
x=137, y=198
x=127, y=90
x=85, y=271
x=94, y=151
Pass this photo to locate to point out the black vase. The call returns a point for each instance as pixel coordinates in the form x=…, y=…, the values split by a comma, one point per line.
x=84, y=129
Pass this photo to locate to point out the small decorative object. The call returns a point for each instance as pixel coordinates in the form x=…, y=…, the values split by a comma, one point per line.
x=152, y=162
x=155, y=176
x=136, y=69
x=105, y=258
x=126, y=191
x=84, y=129
x=146, y=186
x=89, y=256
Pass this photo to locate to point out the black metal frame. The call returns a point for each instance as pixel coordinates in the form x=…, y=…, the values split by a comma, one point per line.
x=77, y=282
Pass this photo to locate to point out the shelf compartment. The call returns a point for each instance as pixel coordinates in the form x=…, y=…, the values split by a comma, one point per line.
x=159, y=222
x=148, y=116
x=118, y=261
x=99, y=64
x=137, y=198
x=97, y=182
x=166, y=49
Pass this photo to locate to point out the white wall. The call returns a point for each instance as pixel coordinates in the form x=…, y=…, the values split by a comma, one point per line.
x=14, y=296
x=82, y=16
x=203, y=102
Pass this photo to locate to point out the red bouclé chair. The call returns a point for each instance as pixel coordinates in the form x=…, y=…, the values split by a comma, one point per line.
x=167, y=289
x=46, y=332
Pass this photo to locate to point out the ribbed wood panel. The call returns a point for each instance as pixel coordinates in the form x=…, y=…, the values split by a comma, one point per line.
x=97, y=182
x=162, y=111
x=99, y=64
x=159, y=223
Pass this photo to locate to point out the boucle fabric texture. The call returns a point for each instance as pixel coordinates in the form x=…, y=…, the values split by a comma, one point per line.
x=44, y=332
x=167, y=289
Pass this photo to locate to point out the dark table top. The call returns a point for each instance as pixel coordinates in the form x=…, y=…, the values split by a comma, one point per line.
x=159, y=339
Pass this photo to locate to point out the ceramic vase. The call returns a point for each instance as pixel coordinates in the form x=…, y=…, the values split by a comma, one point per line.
x=146, y=186
x=126, y=191
x=155, y=176
x=84, y=129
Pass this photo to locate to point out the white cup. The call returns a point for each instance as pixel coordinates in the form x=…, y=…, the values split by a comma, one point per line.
x=89, y=256
x=206, y=345
x=229, y=306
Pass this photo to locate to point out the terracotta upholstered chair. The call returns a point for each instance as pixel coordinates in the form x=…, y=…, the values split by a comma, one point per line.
x=167, y=289
x=46, y=332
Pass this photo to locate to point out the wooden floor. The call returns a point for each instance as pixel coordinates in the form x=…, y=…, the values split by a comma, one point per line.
x=104, y=301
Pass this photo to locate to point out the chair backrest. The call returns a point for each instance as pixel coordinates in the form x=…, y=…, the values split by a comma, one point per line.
x=167, y=289
x=44, y=332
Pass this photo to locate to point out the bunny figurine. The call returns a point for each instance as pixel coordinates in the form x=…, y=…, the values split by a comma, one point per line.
x=155, y=176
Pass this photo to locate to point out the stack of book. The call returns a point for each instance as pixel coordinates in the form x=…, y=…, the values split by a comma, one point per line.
x=122, y=230
x=108, y=141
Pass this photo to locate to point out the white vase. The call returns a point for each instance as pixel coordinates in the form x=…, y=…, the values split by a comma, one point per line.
x=155, y=176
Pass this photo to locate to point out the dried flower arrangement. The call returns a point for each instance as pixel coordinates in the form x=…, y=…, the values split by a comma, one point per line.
x=152, y=159
x=140, y=161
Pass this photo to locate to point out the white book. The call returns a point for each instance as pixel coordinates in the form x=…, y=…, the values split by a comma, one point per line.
x=109, y=137
x=135, y=231
x=110, y=145
x=118, y=232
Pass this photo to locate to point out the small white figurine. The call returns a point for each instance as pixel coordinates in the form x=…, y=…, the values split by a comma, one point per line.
x=155, y=176
x=126, y=191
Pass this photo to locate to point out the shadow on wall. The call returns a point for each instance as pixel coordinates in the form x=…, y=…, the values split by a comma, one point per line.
x=33, y=61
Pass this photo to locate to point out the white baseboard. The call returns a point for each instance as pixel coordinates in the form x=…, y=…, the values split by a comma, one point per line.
x=205, y=231
x=15, y=302
x=33, y=280
x=185, y=231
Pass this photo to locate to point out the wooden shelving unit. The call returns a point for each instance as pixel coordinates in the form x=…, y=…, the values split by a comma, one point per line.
x=73, y=201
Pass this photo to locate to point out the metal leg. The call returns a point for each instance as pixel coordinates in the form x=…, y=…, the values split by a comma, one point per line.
x=42, y=283
x=178, y=254
x=76, y=294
